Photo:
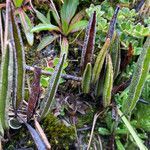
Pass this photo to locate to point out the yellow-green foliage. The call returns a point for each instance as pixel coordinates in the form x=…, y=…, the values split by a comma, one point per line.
x=85, y=119
x=99, y=61
x=108, y=83
x=59, y=135
x=138, y=80
x=86, y=80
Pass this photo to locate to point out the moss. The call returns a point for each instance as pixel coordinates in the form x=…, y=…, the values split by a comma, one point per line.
x=59, y=135
x=85, y=119
x=19, y=139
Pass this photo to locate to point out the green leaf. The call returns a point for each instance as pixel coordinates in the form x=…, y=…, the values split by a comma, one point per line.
x=46, y=41
x=18, y=3
x=44, y=81
x=68, y=10
x=99, y=61
x=27, y=25
x=108, y=83
x=115, y=55
x=132, y=132
x=19, y=64
x=86, y=79
x=78, y=17
x=52, y=88
x=119, y=145
x=42, y=18
x=6, y=75
x=55, y=13
x=56, y=61
x=44, y=27
x=103, y=131
x=77, y=26
x=139, y=77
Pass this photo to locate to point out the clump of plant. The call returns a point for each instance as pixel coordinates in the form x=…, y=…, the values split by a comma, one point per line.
x=129, y=30
x=58, y=133
x=107, y=64
x=67, y=22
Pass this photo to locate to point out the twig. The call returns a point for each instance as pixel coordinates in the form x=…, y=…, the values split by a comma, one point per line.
x=93, y=126
x=65, y=76
x=42, y=134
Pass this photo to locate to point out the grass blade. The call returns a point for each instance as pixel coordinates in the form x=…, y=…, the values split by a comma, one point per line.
x=132, y=132
x=52, y=88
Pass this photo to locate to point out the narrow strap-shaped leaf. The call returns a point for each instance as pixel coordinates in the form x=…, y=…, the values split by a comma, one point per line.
x=35, y=93
x=77, y=26
x=113, y=23
x=19, y=63
x=89, y=42
x=78, y=17
x=100, y=84
x=55, y=13
x=115, y=55
x=52, y=88
x=86, y=80
x=27, y=26
x=44, y=27
x=131, y=130
x=99, y=61
x=40, y=16
x=108, y=83
x=46, y=41
x=119, y=145
x=138, y=80
x=6, y=75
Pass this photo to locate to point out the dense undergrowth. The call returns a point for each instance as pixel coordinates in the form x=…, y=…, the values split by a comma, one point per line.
x=74, y=74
